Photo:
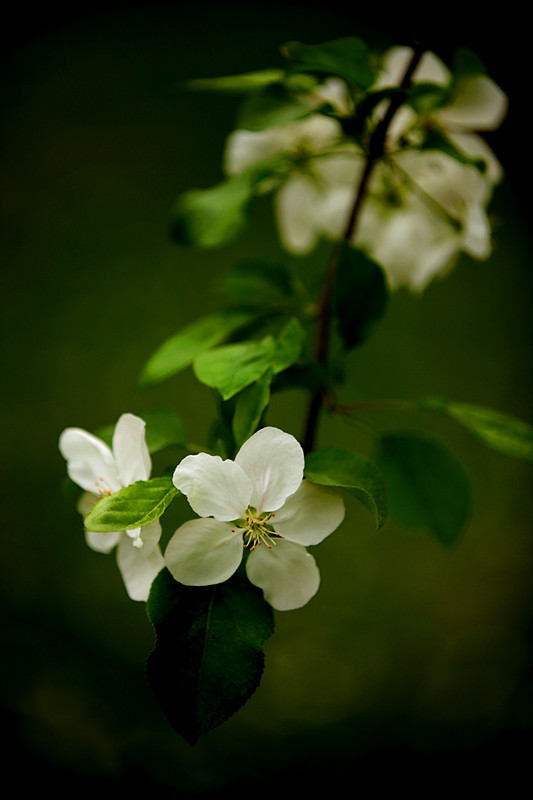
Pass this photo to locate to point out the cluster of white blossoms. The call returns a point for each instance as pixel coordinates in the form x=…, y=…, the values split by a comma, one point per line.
x=423, y=206
x=259, y=504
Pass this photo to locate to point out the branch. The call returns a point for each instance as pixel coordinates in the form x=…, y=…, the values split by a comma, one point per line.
x=375, y=151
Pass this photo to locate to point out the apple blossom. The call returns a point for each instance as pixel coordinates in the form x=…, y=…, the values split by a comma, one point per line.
x=100, y=471
x=259, y=503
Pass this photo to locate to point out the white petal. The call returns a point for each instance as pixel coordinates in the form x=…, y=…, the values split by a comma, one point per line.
x=214, y=488
x=137, y=571
x=203, y=552
x=480, y=105
x=130, y=450
x=90, y=462
x=274, y=461
x=287, y=574
x=309, y=515
x=150, y=535
x=102, y=542
x=295, y=205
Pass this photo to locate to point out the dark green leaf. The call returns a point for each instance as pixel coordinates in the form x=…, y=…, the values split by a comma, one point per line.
x=360, y=295
x=271, y=105
x=347, y=58
x=334, y=466
x=426, y=97
x=208, y=658
x=182, y=348
x=132, y=507
x=501, y=432
x=263, y=283
x=426, y=485
x=466, y=64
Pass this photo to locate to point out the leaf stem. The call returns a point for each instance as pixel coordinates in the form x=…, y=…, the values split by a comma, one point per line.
x=374, y=152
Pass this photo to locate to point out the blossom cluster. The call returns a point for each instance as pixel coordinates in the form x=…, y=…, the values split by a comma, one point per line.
x=258, y=506
x=424, y=205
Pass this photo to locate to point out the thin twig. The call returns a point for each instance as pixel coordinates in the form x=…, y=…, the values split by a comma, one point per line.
x=375, y=151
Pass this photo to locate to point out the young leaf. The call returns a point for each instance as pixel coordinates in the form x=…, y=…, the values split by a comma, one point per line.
x=347, y=58
x=131, y=507
x=426, y=485
x=212, y=217
x=208, y=658
x=271, y=105
x=231, y=368
x=182, y=348
x=334, y=466
x=249, y=81
x=501, y=432
x=360, y=295
x=256, y=281
x=251, y=403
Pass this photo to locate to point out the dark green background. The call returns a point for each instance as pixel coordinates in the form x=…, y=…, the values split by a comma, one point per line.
x=413, y=661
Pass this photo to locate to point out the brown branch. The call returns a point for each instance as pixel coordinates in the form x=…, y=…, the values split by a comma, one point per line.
x=375, y=151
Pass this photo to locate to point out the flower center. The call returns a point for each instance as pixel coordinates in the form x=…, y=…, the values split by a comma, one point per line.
x=257, y=529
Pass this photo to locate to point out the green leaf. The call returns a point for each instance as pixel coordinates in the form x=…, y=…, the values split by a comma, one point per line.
x=347, y=58
x=212, y=217
x=272, y=105
x=231, y=368
x=208, y=659
x=132, y=507
x=249, y=407
x=181, y=349
x=264, y=284
x=426, y=97
x=334, y=466
x=501, y=432
x=248, y=81
x=426, y=485
x=466, y=64
x=360, y=295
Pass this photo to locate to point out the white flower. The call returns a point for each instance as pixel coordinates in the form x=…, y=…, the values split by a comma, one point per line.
x=477, y=102
x=260, y=502
x=100, y=471
x=312, y=198
x=422, y=209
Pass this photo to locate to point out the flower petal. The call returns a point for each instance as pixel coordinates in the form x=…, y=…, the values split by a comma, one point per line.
x=150, y=535
x=90, y=462
x=102, y=542
x=310, y=515
x=274, y=461
x=137, y=571
x=287, y=574
x=203, y=552
x=480, y=105
x=213, y=487
x=130, y=450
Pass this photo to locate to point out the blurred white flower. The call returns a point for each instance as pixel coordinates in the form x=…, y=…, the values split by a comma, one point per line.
x=261, y=502
x=423, y=206
x=100, y=471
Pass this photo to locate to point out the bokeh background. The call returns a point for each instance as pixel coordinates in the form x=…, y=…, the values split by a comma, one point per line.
x=413, y=663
